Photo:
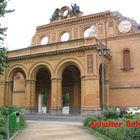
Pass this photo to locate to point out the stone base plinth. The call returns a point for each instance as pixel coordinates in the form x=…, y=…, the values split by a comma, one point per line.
x=74, y=111
x=29, y=110
x=90, y=111
x=55, y=111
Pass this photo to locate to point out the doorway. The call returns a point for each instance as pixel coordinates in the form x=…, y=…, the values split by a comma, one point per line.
x=43, y=91
x=66, y=99
x=42, y=103
x=71, y=90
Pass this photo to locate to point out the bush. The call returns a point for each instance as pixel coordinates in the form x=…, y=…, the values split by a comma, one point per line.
x=110, y=113
x=129, y=116
x=7, y=110
x=2, y=126
x=121, y=133
x=111, y=132
x=132, y=134
x=137, y=117
x=88, y=120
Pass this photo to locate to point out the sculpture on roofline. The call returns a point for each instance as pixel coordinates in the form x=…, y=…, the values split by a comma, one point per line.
x=75, y=9
x=55, y=15
x=71, y=12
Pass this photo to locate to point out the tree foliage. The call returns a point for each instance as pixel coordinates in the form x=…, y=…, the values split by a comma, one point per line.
x=3, y=11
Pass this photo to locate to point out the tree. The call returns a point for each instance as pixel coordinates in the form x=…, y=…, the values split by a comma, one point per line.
x=3, y=11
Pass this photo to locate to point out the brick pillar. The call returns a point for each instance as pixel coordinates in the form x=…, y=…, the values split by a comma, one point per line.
x=76, y=99
x=82, y=91
x=56, y=96
x=28, y=94
x=8, y=92
x=33, y=100
x=91, y=102
x=2, y=93
x=106, y=93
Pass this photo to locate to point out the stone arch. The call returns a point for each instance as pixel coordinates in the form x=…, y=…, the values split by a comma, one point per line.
x=38, y=66
x=70, y=71
x=14, y=90
x=69, y=61
x=14, y=69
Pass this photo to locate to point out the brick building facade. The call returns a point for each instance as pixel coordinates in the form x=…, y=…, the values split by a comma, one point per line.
x=93, y=76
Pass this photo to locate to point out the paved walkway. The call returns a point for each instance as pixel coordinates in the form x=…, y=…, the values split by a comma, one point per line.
x=37, y=130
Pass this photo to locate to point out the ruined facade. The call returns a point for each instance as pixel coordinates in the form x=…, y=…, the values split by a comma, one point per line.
x=97, y=71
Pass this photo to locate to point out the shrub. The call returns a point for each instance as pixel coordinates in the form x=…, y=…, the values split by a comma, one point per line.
x=121, y=133
x=7, y=110
x=110, y=113
x=132, y=134
x=88, y=120
x=137, y=117
x=22, y=121
x=111, y=132
x=129, y=116
x=2, y=126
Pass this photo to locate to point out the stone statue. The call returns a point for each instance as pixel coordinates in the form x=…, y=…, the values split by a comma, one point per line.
x=75, y=10
x=55, y=15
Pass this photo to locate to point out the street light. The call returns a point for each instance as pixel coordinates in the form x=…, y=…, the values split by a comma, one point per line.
x=102, y=51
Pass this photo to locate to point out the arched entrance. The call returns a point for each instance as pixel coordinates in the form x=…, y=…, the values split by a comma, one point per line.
x=102, y=85
x=71, y=90
x=43, y=90
x=16, y=87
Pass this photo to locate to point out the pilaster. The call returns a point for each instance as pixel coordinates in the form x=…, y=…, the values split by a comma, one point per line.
x=56, y=96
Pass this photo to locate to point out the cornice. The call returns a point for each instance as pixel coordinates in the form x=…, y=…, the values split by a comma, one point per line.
x=73, y=20
x=53, y=53
x=123, y=36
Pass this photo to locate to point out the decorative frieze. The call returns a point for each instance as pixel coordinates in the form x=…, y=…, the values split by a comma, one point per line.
x=90, y=63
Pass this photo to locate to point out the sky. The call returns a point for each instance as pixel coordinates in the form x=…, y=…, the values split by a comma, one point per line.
x=31, y=13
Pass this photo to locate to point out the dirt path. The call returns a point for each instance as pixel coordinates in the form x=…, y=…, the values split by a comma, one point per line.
x=53, y=131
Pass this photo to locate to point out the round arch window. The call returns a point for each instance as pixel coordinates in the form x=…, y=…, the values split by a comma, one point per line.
x=65, y=36
x=44, y=40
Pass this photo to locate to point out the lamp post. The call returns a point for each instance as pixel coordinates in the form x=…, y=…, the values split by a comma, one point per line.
x=102, y=51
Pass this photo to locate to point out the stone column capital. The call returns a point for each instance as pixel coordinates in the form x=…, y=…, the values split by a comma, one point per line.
x=30, y=81
x=82, y=77
x=56, y=79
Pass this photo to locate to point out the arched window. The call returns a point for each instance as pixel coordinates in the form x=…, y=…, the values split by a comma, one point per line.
x=126, y=59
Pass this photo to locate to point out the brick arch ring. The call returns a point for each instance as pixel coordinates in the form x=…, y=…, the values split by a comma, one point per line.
x=66, y=62
x=14, y=69
x=37, y=66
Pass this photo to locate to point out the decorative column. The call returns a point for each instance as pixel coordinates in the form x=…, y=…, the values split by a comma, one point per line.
x=56, y=96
